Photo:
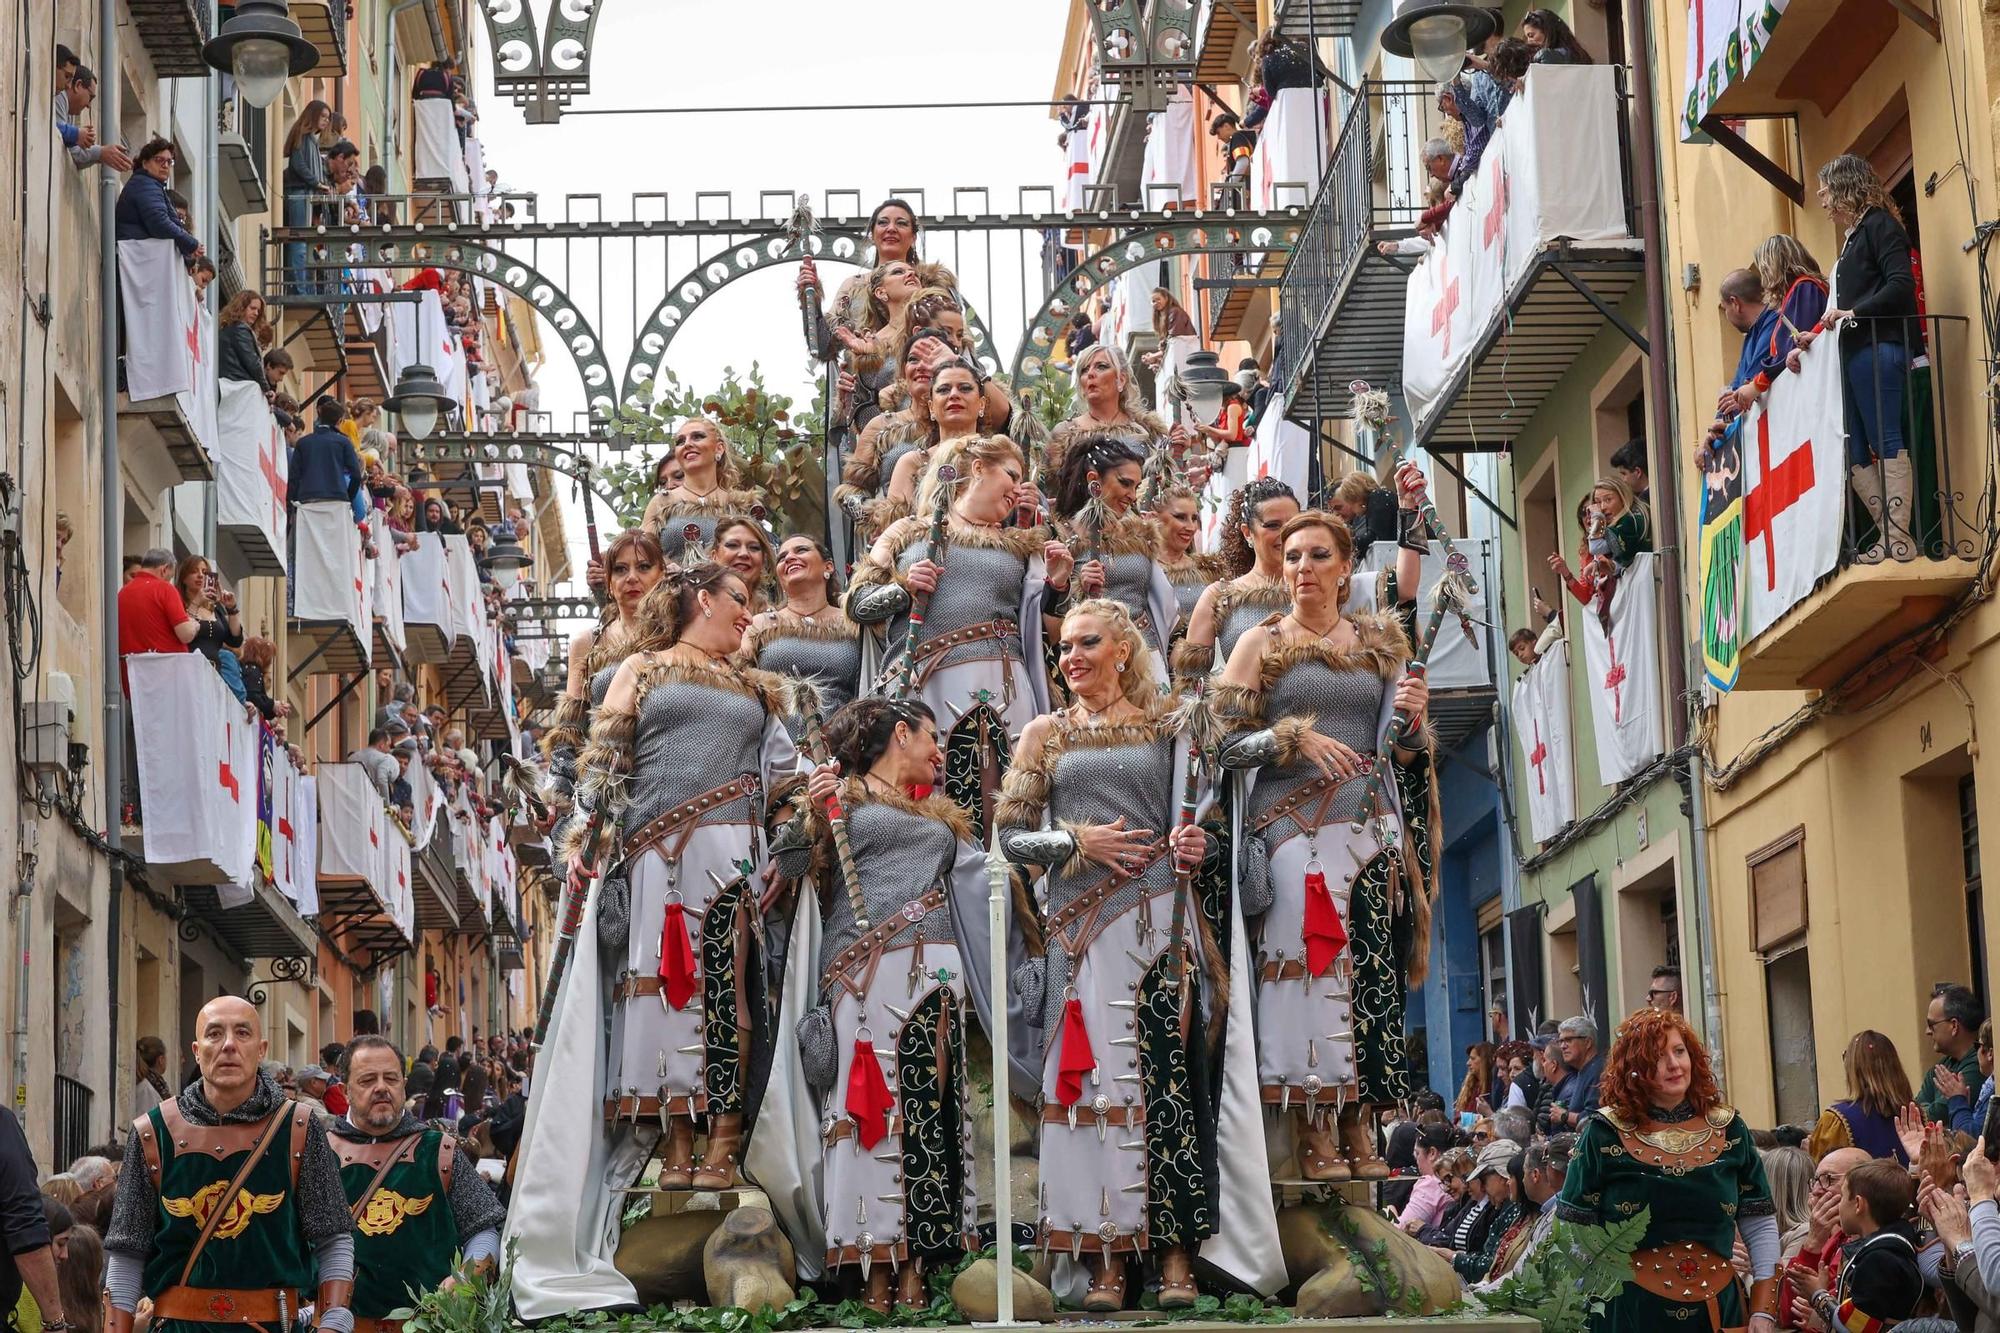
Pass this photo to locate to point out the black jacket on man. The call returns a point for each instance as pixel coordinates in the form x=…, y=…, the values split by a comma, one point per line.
x=324, y=467
x=143, y=213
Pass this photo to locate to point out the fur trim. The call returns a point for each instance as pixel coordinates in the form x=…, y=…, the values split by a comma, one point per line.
x=1065, y=735
x=855, y=793
x=1076, y=862
x=566, y=726
x=1024, y=543
x=715, y=504
x=1240, y=708
x=604, y=776
x=789, y=626
x=1269, y=596
x=1290, y=732
x=1134, y=534
x=1381, y=647
x=882, y=513
x=1191, y=662
x=1198, y=569
x=1024, y=793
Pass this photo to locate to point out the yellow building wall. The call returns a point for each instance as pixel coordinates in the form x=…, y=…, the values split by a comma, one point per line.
x=1874, y=791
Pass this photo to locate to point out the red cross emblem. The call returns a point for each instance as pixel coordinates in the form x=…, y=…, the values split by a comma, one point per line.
x=267, y=463
x=1447, y=298
x=225, y=775
x=1496, y=217
x=1537, y=755
x=1688, y=1268
x=194, y=341
x=1777, y=489
x=1614, y=678
x=222, y=1307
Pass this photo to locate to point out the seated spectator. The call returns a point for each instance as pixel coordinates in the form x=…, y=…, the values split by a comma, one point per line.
x=376, y=760
x=1473, y=1231
x=72, y=100
x=237, y=354
x=1544, y=1165
x=1503, y=1181
x=152, y=618
x=218, y=624
x=1880, y=1283
x=144, y=211
x=1466, y=1203
x=1877, y=1092
x=1628, y=464
x=1433, y=1192
x=1551, y=40
x=324, y=465
x=257, y=656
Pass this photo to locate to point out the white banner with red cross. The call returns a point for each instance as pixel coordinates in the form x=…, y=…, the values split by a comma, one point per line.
x=163, y=345
x=1291, y=144
x=353, y=822
x=1541, y=725
x=396, y=879
x=1169, y=175
x=250, y=475
x=330, y=580
x=197, y=759
x=386, y=596
x=1794, y=445
x=1550, y=172
x=303, y=831
x=1622, y=674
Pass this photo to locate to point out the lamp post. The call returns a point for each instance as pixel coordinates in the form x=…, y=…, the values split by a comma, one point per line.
x=261, y=47
x=505, y=560
x=1437, y=36
x=418, y=401
x=1201, y=374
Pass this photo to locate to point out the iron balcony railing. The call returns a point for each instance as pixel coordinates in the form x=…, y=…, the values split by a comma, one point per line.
x=72, y=1118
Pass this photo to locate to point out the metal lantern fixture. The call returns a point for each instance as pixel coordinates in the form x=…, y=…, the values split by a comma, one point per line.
x=1146, y=50
x=1437, y=36
x=419, y=400
x=505, y=559
x=1203, y=377
x=261, y=47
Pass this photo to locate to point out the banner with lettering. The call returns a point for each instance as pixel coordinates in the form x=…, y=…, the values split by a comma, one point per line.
x=1721, y=552
x=1794, y=459
x=1541, y=725
x=1622, y=674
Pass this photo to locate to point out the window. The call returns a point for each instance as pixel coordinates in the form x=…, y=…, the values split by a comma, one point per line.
x=1493, y=979
x=1975, y=909
x=1794, y=1066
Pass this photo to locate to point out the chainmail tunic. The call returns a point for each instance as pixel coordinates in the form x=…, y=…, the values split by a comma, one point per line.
x=900, y=855
x=1345, y=705
x=909, y=442
x=833, y=666
x=1246, y=610
x=693, y=738
x=1189, y=584
x=980, y=583
x=1128, y=580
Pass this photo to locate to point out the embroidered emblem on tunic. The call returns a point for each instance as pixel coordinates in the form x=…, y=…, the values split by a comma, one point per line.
x=235, y=1221
x=386, y=1211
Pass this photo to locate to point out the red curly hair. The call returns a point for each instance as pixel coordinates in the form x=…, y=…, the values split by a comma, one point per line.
x=1626, y=1085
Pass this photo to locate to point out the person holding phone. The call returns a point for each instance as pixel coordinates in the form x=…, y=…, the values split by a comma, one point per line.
x=218, y=623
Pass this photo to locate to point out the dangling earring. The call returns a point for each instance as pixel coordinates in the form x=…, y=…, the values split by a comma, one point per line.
x=1121, y=668
x=1343, y=588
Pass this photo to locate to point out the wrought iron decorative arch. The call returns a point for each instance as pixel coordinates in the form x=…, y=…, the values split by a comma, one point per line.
x=529, y=451
x=1208, y=235
x=496, y=266
x=541, y=72
x=686, y=294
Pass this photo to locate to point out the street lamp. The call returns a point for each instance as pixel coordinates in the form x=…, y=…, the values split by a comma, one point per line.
x=505, y=560
x=1437, y=36
x=262, y=47
x=418, y=400
x=1202, y=376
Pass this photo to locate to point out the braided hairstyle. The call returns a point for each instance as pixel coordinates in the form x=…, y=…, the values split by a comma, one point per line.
x=675, y=601
x=1238, y=558
x=859, y=734
x=1097, y=453
x=1139, y=683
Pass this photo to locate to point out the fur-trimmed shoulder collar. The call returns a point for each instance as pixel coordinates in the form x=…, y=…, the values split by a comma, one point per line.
x=1133, y=534
x=855, y=793
x=1066, y=735
x=1024, y=543
x=766, y=687
x=715, y=503
x=1234, y=594
x=1194, y=569
x=785, y=625
x=1380, y=647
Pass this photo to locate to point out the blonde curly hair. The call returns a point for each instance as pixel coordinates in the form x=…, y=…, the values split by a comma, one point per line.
x=960, y=454
x=1141, y=676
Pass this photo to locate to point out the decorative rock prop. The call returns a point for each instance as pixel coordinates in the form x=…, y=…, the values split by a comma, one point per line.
x=661, y=1256
x=1349, y=1261
x=976, y=1292
x=747, y=1262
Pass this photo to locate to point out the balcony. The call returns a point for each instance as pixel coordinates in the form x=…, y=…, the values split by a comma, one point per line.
x=1815, y=615
x=1314, y=20
x=201, y=764
x=1462, y=658
x=364, y=866
x=250, y=485
x=471, y=849
x=241, y=150
x=166, y=410
x=437, y=881
x=173, y=31
x=386, y=603
x=324, y=24
x=331, y=590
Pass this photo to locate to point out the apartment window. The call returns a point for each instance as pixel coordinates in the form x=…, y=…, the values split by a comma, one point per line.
x=1493, y=977
x=1778, y=931
x=1975, y=908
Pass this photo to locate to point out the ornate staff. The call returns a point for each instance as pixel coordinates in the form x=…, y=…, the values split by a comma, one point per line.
x=602, y=594
x=1195, y=720
x=803, y=701
x=1090, y=523
x=799, y=231
x=920, y=603
x=576, y=893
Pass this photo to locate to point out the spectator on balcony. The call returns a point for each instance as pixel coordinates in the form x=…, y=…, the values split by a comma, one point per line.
x=1796, y=295
x=257, y=656
x=437, y=517
x=72, y=101
x=237, y=354
x=1483, y=95
x=1551, y=40
x=144, y=212
x=305, y=182
x=202, y=273
x=218, y=623
x=377, y=761
x=1367, y=507
x=1231, y=428
x=1278, y=63
x=1628, y=464
x=1239, y=145
x=1438, y=160
x=324, y=464
x=66, y=67
x=152, y=618
x=1527, y=646
x=1877, y=291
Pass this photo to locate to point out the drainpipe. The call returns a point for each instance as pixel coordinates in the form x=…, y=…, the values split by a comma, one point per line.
x=1660, y=393
x=111, y=514
x=212, y=86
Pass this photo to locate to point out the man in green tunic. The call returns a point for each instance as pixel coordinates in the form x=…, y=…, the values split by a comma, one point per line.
x=229, y=1200
x=416, y=1203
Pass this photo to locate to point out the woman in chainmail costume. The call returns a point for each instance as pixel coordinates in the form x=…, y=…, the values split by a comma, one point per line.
x=962, y=407
x=1189, y=569
x=681, y=752
x=1110, y=406
x=1333, y=854
x=1253, y=560
x=807, y=637
x=685, y=517
x=634, y=565
x=976, y=659
x=1131, y=1167
x=1106, y=470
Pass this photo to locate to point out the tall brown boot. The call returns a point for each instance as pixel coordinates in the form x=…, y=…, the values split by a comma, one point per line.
x=1357, y=1141
x=910, y=1285
x=677, y=1172
x=719, y=1158
x=1177, y=1289
x=1107, y=1285
x=875, y=1289
x=1319, y=1157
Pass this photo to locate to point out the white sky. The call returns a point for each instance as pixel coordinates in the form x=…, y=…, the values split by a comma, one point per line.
x=703, y=53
